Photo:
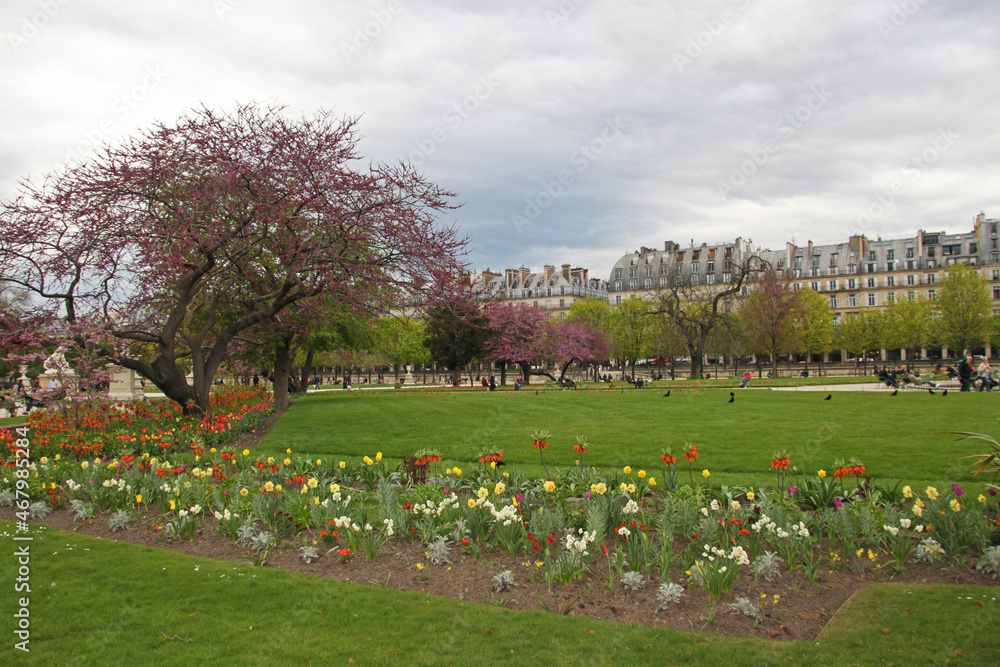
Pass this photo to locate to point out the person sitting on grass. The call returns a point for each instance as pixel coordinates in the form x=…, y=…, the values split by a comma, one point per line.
x=745, y=381
x=885, y=376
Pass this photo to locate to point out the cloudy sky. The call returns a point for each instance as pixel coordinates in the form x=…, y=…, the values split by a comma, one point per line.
x=572, y=131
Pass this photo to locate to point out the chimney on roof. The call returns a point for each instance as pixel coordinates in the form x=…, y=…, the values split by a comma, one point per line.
x=566, y=273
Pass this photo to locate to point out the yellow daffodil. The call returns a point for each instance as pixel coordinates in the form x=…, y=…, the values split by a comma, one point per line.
x=457, y=472
x=173, y=505
x=319, y=462
x=499, y=488
x=907, y=491
x=334, y=488
x=955, y=506
x=269, y=485
x=287, y=462
x=85, y=465
x=341, y=464
x=493, y=465
x=705, y=473
x=288, y=451
x=420, y=566
x=244, y=492
x=750, y=495
x=602, y=488
x=378, y=456
x=627, y=470
x=138, y=498
x=212, y=450
x=471, y=503
x=932, y=493
x=447, y=471
x=631, y=488
x=981, y=498
x=312, y=483
x=482, y=492
x=652, y=481
x=642, y=474
x=549, y=486
x=624, y=487
x=821, y=474
x=246, y=452
x=368, y=461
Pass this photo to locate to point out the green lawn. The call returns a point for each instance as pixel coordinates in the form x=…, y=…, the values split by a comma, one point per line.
x=907, y=437
x=110, y=603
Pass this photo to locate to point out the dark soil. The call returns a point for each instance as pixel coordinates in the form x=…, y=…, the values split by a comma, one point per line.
x=804, y=607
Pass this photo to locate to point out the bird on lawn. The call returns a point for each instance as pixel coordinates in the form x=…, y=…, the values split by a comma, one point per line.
x=930, y=391
x=894, y=392
x=732, y=397
x=828, y=397
x=667, y=394
x=944, y=393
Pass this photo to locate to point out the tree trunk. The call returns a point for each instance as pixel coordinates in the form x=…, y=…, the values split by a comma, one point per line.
x=307, y=369
x=503, y=373
x=282, y=366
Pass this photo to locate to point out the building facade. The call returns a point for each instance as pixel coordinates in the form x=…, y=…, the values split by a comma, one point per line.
x=549, y=289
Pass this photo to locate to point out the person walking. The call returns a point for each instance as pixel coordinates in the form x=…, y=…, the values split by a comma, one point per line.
x=965, y=373
x=985, y=372
x=493, y=382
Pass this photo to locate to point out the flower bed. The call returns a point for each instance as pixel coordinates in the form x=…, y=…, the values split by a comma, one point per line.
x=655, y=541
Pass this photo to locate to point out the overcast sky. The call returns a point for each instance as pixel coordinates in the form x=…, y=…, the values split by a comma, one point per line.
x=574, y=131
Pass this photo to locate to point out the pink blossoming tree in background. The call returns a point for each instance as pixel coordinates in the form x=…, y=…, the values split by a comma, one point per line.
x=159, y=252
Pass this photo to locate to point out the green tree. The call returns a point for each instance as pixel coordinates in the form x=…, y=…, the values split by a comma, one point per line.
x=964, y=308
x=910, y=325
x=630, y=327
x=455, y=336
x=814, y=323
x=400, y=340
x=860, y=334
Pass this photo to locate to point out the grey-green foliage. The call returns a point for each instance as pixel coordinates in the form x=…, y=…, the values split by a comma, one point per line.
x=261, y=541
x=680, y=516
x=438, y=551
x=744, y=606
x=668, y=593
x=989, y=562
x=6, y=498
x=503, y=581
x=767, y=565
x=633, y=581
x=80, y=510
x=39, y=510
x=389, y=506
x=550, y=521
x=597, y=520
x=308, y=553
x=120, y=520
x=928, y=551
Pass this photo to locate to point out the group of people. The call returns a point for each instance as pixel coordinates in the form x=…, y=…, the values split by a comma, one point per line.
x=967, y=373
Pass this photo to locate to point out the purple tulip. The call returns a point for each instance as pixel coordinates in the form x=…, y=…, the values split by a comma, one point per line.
x=957, y=489
x=447, y=491
x=519, y=498
x=838, y=503
x=992, y=492
x=791, y=490
x=588, y=495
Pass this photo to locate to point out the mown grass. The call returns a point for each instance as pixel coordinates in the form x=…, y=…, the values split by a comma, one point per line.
x=110, y=603
x=907, y=437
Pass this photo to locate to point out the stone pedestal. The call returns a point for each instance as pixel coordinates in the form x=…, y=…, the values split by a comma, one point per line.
x=125, y=385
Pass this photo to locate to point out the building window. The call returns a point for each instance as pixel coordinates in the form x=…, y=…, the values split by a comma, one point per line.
x=647, y=271
x=562, y=303
x=890, y=297
x=833, y=301
x=931, y=293
x=911, y=280
x=694, y=267
x=931, y=278
x=852, y=283
x=833, y=258
x=814, y=285
x=911, y=296
x=890, y=266
x=710, y=267
x=996, y=292
x=995, y=274
x=890, y=281
x=890, y=254
x=632, y=273
x=909, y=253
x=871, y=256
x=618, y=273
x=833, y=285
x=871, y=268
x=910, y=264
x=726, y=277
x=973, y=248
x=647, y=283
x=618, y=298
x=618, y=285
x=873, y=299
x=852, y=300
x=815, y=260
x=798, y=262
x=710, y=279
x=631, y=284
x=873, y=282
x=833, y=270
x=694, y=278
x=663, y=281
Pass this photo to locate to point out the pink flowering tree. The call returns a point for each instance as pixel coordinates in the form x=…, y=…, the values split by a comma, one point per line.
x=157, y=253
x=525, y=336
